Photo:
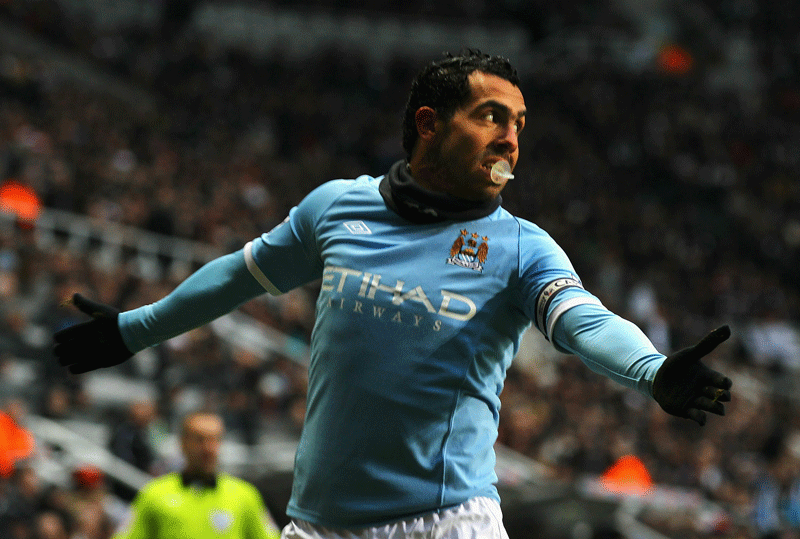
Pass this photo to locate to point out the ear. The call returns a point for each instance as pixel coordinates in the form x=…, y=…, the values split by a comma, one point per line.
x=426, y=119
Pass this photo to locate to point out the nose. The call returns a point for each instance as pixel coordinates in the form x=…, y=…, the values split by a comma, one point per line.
x=507, y=138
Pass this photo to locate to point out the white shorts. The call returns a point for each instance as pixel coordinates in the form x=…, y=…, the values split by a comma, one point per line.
x=477, y=518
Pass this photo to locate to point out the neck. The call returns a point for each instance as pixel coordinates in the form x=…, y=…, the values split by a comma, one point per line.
x=428, y=174
x=199, y=477
x=409, y=198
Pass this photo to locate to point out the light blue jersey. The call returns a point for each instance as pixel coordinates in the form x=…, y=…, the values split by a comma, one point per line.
x=416, y=326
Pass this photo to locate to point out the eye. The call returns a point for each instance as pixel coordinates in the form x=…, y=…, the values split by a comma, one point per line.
x=489, y=116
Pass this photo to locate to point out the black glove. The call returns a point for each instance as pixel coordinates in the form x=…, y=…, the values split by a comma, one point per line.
x=685, y=387
x=94, y=344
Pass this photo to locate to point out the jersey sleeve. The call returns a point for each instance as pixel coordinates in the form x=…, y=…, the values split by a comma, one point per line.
x=549, y=284
x=609, y=345
x=289, y=255
x=212, y=291
x=138, y=524
x=258, y=523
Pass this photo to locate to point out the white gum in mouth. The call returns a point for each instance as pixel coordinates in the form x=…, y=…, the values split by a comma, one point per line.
x=501, y=171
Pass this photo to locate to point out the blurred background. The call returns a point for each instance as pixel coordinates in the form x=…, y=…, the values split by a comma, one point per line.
x=141, y=138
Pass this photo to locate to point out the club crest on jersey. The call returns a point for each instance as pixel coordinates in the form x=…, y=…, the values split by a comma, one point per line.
x=469, y=251
x=221, y=520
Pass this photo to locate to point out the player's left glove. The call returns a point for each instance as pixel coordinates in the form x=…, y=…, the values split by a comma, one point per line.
x=684, y=387
x=94, y=344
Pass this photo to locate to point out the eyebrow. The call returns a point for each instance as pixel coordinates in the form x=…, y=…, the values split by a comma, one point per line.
x=502, y=107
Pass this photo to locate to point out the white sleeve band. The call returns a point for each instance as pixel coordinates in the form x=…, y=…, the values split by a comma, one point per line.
x=256, y=272
x=563, y=307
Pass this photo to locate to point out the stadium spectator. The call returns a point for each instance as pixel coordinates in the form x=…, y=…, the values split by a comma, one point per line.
x=16, y=442
x=96, y=513
x=130, y=441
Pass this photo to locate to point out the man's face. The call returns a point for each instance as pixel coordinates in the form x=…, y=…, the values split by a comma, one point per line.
x=479, y=134
x=201, y=441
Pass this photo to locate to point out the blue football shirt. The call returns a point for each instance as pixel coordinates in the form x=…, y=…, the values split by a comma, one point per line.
x=416, y=326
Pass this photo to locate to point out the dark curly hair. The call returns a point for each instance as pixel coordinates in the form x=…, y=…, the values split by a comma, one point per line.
x=443, y=85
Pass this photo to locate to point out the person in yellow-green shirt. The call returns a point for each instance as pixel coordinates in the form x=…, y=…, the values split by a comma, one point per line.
x=199, y=502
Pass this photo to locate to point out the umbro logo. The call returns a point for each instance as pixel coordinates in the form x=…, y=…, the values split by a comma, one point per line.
x=357, y=227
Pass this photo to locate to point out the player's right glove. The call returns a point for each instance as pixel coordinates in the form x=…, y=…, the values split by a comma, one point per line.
x=94, y=344
x=686, y=388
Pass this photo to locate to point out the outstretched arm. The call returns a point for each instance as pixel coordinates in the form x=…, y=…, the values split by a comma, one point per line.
x=680, y=383
x=111, y=337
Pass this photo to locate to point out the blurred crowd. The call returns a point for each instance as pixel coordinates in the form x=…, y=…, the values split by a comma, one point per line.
x=81, y=509
x=677, y=201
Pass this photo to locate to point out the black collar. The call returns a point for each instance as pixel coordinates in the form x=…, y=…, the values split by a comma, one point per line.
x=411, y=201
x=198, y=479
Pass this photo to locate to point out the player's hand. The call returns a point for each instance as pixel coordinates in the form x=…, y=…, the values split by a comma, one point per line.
x=94, y=344
x=686, y=388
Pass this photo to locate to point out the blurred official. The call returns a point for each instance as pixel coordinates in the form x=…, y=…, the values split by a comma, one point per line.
x=199, y=502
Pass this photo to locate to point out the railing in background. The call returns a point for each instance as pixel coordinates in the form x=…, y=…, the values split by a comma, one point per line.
x=153, y=257
x=145, y=254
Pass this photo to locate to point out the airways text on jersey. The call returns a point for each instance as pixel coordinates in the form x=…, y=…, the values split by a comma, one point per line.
x=363, y=293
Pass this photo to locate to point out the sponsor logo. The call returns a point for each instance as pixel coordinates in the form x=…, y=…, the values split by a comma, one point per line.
x=363, y=293
x=469, y=251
